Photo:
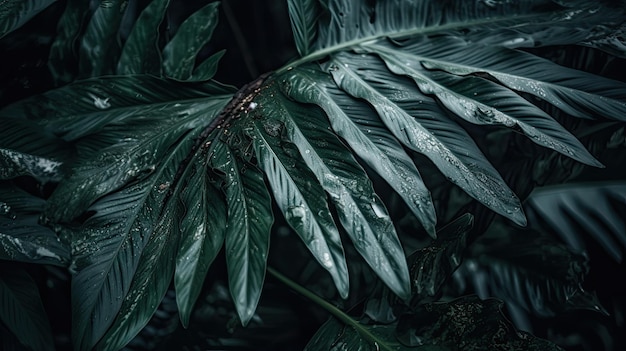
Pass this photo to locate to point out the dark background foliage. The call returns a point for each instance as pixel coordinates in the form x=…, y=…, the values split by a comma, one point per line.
x=257, y=38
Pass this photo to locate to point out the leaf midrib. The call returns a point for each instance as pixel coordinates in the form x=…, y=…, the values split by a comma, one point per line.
x=321, y=53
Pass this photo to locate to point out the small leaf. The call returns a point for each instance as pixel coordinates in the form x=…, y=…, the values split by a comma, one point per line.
x=202, y=229
x=248, y=230
x=21, y=310
x=303, y=15
x=14, y=13
x=99, y=47
x=179, y=55
x=207, y=69
x=431, y=266
x=334, y=335
x=141, y=52
x=466, y=323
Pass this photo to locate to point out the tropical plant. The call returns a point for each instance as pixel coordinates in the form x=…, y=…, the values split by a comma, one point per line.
x=393, y=146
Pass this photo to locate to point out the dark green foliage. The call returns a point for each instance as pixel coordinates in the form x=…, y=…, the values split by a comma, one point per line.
x=143, y=177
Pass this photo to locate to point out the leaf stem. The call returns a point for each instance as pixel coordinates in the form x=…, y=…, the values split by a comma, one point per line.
x=332, y=309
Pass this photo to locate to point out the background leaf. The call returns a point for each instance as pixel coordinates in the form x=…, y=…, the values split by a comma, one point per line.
x=179, y=55
x=303, y=16
x=99, y=47
x=22, y=311
x=577, y=210
x=22, y=237
x=14, y=13
x=141, y=53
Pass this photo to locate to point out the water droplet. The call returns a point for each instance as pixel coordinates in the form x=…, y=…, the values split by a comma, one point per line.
x=296, y=215
x=101, y=103
x=379, y=210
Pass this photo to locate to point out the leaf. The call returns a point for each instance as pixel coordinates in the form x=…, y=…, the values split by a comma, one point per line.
x=578, y=210
x=22, y=238
x=14, y=13
x=21, y=310
x=466, y=323
x=141, y=53
x=124, y=257
x=575, y=92
x=530, y=269
x=150, y=281
x=202, y=229
x=482, y=102
x=207, y=69
x=364, y=78
x=303, y=15
x=145, y=122
x=14, y=164
x=248, y=229
x=179, y=55
x=529, y=22
x=63, y=59
x=334, y=336
x=99, y=46
x=25, y=137
x=431, y=266
x=363, y=131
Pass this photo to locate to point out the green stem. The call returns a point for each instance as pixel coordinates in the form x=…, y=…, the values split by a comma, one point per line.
x=339, y=314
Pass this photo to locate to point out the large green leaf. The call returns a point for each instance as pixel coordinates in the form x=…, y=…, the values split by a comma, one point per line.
x=368, y=79
x=126, y=127
x=527, y=22
x=14, y=13
x=141, y=52
x=179, y=55
x=21, y=310
x=248, y=228
x=22, y=237
x=363, y=131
